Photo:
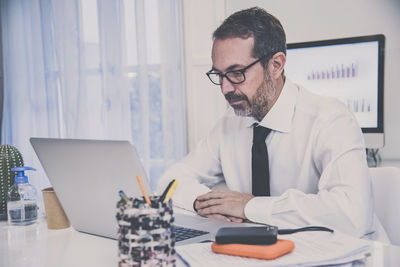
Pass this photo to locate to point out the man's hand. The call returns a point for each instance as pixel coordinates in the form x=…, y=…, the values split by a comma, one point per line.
x=227, y=205
x=223, y=218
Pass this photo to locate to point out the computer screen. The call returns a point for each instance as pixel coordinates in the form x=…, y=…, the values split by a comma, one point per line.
x=350, y=69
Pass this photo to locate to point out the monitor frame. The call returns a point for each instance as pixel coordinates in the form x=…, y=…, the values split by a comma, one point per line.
x=372, y=141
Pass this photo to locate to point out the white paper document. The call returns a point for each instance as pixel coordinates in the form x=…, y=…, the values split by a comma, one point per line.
x=311, y=249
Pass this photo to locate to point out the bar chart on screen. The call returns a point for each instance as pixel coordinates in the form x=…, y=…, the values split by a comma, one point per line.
x=336, y=71
x=350, y=69
x=358, y=105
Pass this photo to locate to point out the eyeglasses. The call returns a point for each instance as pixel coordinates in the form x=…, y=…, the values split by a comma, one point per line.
x=234, y=76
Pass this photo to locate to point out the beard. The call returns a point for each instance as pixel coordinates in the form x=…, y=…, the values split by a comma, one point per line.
x=257, y=106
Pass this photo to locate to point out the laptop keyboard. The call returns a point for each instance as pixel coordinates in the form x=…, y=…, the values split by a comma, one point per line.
x=182, y=233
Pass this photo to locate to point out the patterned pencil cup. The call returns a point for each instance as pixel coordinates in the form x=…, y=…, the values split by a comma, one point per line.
x=145, y=236
x=10, y=157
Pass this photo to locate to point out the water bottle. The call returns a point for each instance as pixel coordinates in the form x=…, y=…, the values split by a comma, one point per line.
x=21, y=199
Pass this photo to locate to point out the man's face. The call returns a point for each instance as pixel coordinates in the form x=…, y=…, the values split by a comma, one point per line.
x=251, y=97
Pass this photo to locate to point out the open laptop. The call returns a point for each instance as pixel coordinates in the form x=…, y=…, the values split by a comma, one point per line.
x=87, y=176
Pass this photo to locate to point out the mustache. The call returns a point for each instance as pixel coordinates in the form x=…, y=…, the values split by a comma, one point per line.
x=231, y=96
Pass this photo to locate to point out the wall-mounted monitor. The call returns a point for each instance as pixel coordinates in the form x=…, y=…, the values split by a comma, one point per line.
x=350, y=69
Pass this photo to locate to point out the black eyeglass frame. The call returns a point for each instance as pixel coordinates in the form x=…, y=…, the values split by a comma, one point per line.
x=242, y=71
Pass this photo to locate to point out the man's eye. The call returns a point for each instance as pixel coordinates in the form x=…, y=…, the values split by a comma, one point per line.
x=218, y=74
x=235, y=74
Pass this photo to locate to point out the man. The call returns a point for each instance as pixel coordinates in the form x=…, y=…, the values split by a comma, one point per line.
x=313, y=169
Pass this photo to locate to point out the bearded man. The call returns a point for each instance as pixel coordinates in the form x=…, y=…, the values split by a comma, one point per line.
x=288, y=157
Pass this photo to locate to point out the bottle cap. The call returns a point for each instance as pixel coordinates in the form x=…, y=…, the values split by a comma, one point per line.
x=20, y=178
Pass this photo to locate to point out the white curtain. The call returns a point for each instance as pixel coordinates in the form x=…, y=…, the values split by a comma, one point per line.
x=94, y=69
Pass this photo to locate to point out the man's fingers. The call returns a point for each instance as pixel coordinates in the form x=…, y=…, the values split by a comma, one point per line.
x=207, y=203
x=230, y=204
x=196, y=205
x=235, y=219
x=211, y=210
x=218, y=217
x=213, y=194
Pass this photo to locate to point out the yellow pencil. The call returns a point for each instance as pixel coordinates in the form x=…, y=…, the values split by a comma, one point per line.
x=146, y=197
x=171, y=191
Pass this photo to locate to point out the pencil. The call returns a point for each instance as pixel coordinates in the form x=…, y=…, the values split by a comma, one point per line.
x=144, y=193
x=171, y=191
x=164, y=194
x=123, y=196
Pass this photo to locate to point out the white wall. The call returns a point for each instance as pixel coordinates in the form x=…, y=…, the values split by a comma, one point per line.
x=303, y=20
x=205, y=102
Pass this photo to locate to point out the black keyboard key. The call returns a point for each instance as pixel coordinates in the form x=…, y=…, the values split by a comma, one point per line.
x=182, y=233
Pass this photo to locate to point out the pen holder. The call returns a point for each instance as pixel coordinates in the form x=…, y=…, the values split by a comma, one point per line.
x=145, y=236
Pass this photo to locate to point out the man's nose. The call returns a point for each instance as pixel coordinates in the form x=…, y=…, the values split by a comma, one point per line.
x=226, y=86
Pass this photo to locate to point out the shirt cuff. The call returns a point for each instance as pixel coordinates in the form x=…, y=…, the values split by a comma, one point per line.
x=185, y=196
x=259, y=209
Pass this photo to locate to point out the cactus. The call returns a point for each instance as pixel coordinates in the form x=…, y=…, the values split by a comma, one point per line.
x=10, y=157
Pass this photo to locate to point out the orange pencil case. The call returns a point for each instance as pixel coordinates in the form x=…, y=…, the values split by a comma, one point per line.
x=264, y=252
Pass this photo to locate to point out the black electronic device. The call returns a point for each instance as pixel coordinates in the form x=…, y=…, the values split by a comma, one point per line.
x=258, y=235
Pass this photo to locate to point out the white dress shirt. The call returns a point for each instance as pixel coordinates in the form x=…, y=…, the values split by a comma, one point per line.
x=317, y=163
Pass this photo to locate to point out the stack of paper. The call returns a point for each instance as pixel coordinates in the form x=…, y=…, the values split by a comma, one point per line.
x=311, y=249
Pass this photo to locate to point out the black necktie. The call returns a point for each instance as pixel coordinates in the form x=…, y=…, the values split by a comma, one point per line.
x=259, y=162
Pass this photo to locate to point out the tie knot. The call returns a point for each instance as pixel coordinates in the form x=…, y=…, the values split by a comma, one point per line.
x=260, y=133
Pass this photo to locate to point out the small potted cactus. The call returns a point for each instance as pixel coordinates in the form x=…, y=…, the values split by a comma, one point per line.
x=10, y=157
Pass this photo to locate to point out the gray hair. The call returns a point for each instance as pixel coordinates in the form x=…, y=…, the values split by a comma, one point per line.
x=267, y=31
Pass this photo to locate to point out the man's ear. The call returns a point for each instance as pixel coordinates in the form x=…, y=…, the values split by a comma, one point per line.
x=277, y=65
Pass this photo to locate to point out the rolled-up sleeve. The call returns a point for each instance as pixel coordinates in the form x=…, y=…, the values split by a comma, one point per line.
x=199, y=171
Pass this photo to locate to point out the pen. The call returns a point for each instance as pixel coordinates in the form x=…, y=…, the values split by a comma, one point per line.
x=171, y=191
x=144, y=193
x=182, y=259
x=166, y=191
x=123, y=196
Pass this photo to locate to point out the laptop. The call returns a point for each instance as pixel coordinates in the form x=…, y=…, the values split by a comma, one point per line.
x=87, y=176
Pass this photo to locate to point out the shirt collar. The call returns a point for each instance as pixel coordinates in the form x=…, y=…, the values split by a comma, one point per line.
x=279, y=118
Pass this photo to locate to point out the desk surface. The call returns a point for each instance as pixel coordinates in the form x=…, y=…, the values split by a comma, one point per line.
x=389, y=163
x=35, y=245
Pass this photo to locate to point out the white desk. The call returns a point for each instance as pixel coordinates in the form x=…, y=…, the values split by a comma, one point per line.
x=35, y=246
x=389, y=163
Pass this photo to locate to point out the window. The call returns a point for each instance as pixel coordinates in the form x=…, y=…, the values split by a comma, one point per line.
x=102, y=69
